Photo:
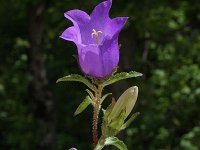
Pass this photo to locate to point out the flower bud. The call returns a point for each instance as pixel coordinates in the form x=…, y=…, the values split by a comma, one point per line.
x=126, y=101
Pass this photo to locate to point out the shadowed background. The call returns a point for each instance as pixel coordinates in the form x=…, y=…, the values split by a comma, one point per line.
x=160, y=40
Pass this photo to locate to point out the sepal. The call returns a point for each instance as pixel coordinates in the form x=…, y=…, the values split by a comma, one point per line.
x=112, y=127
x=117, y=123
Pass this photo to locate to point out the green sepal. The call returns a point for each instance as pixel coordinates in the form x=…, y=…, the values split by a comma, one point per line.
x=121, y=76
x=87, y=101
x=116, y=124
x=118, y=121
x=112, y=127
x=104, y=127
x=105, y=96
x=116, y=142
x=130, y=120
x=107, y=130
x=78, y=78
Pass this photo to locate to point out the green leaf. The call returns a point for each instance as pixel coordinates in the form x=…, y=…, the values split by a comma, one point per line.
x=87, y=101
x=130, y=120
x=90, y=93
x=115, y=142
x=121, y=76
x=105, y=96
x=78, y=78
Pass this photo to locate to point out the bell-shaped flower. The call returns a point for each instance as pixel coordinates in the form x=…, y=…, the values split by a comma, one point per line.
x=96, y=38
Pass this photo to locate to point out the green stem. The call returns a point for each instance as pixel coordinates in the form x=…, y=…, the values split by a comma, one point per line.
x=97, y=106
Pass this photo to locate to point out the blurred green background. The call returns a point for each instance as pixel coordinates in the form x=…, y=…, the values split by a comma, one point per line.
x=160, y=40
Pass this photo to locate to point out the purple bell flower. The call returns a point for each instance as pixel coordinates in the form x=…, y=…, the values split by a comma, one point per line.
x=96, y=38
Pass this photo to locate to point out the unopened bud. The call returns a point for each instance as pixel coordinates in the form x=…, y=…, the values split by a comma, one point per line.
x=126, y=101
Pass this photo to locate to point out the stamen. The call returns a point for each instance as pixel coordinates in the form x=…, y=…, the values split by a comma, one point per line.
x=95, y=33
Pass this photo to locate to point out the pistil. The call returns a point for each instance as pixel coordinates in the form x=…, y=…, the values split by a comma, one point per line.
x=96, y=35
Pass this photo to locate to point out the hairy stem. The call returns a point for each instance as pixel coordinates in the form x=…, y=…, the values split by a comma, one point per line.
x=97, y=106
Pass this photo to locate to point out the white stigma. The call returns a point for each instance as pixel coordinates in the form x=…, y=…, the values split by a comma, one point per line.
x=96, y=35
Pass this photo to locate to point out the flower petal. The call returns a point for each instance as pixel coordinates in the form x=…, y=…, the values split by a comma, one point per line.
x=100, y=60
x=115, y=25
x=101, y=21
x=81, y=21
x=96, y=37
x=101, y=11
x=90, y=60
x=70, y=34
x=78, y=17
x=100, y=17
x=110, y=54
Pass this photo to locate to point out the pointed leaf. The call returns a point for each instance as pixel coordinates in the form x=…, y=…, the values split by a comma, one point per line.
x=90, y=93
x=121, y=76
x=78, y=78
x=130, y=120
x=105, y=96
x=116, y=142
x=87, y=101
